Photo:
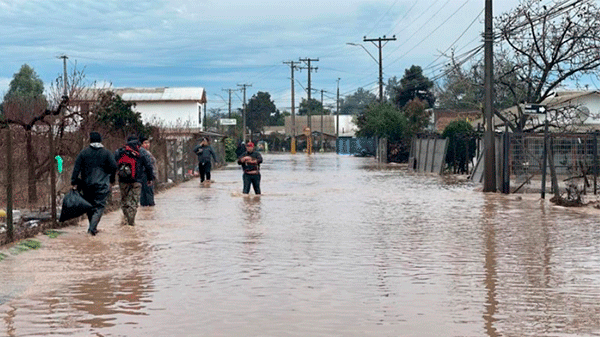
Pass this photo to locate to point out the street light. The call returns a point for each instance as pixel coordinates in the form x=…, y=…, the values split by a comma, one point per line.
x=379, y=45
x=363, y=47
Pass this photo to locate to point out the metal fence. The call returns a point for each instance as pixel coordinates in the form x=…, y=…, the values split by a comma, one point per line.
x=574, y=157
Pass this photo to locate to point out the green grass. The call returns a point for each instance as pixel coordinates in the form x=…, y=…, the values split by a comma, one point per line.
x=53, y=234
x=24, y=246
x=2, y=256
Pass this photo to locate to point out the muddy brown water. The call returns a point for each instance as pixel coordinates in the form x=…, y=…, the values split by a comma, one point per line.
x=336, y=246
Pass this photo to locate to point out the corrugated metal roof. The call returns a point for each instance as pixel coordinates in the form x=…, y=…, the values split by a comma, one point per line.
x=162, y=94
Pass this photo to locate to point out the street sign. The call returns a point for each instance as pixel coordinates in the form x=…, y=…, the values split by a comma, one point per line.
x=228, y=121
x=535, y=109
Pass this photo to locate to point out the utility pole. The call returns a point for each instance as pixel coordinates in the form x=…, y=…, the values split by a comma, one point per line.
x=229, y=91
x=337, y=116
x=489, y=181
x=52, y=146
x=322, y=113
x=244, y=111
x=65, y=79
x=293, y=67
x=310, y=69
x=379, y=40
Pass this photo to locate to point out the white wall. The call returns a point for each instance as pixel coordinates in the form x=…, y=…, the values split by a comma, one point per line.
x=347, y=127
x=592, y=102
x=171, y=113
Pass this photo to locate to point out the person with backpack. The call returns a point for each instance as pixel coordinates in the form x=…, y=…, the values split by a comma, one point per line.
x=250, y=162
x=204, y=152
x=131, y=168
x=93, y=175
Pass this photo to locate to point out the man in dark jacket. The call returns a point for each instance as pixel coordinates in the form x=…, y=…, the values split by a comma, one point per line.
x=147, y=194
x=250, y=161
x=130, y=176
x=93, y=173
x=205, y=153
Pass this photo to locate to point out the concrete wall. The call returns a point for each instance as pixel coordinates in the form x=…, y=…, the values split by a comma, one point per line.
x=172, y=113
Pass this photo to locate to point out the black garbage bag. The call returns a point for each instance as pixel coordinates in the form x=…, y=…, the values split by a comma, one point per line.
x=74, y=205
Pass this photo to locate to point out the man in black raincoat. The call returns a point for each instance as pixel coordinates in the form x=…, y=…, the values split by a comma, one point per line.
x=93, y=174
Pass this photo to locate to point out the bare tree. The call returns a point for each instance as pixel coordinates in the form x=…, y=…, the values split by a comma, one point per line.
x=542, y=47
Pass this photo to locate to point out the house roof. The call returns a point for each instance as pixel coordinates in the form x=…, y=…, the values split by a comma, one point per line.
x=164, y=94
x=556, y=99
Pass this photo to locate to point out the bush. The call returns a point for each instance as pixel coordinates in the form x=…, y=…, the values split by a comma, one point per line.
x=230, y=148
x=461, y=145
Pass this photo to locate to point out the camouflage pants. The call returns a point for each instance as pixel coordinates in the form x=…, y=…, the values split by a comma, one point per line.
x=130, y=199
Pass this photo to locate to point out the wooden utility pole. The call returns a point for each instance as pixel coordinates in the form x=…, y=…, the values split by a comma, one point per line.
x=229, y=104
x=293, y=67
x=310, y=69
x=244, y=111
x=337, y=116
x=489, y=177
x=379, y=46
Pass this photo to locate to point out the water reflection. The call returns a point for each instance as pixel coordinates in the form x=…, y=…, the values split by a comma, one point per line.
x=335, y=246
x=491, y=276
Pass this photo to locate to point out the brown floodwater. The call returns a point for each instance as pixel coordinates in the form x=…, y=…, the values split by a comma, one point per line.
x=336, y=246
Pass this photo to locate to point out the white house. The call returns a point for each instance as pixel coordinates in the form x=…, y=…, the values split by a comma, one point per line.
x=580, y=110
x=171, y=107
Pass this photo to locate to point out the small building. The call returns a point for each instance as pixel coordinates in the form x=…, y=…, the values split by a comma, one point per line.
x=578, y=109
x=183, y=107
x=172, y=107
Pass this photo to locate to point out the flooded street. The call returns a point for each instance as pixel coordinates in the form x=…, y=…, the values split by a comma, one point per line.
x=336, y=246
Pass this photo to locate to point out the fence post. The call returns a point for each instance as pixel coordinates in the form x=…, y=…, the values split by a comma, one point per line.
x=52, y=175
x=545, y=159
x=596, y=162
x=174, y=159
x=9, y=184
x=552, y=168
x=505, y=161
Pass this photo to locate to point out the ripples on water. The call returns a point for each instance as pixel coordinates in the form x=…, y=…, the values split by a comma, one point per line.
x=336, y=246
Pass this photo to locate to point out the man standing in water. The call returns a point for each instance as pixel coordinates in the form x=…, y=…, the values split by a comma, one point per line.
x=250, y=161
x=96, y=166
x=204, y=153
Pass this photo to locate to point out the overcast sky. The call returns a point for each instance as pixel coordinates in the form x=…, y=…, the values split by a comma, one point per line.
x=218, y=44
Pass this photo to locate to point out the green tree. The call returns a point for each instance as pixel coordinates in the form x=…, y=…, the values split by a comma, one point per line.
x=25, y=84
x=259, y=110
x=315, y=107
x=357, y=102
x=118, y=116
x=382, y=120
x=413, y=85
x=417, y=114
x=389, y=91
x=461, y=88
x=461, y=145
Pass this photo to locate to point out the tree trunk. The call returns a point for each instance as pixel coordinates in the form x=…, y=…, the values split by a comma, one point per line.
x=32, y=190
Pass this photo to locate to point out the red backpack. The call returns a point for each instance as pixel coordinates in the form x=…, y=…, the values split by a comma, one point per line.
x=126, y=164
